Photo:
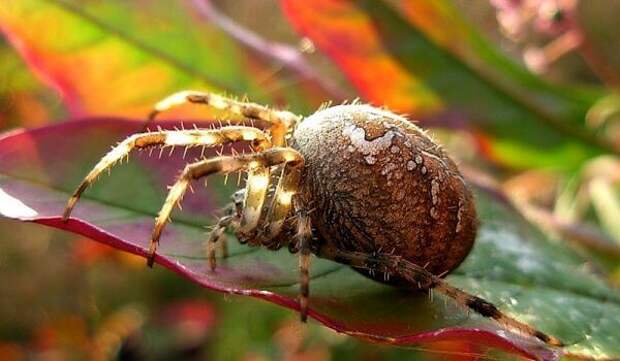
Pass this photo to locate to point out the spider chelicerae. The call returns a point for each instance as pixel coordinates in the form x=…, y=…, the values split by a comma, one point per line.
x=352, y=183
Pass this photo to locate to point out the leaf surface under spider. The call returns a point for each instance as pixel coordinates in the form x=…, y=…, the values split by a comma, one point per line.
x=423, y=58
x=512, y=265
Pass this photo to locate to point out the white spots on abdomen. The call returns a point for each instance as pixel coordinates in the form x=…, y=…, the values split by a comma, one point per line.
x=393, y=155
x=371, y=149
x=357, y=137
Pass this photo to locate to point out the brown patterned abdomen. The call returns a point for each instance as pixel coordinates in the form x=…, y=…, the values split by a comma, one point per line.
x=378, y=183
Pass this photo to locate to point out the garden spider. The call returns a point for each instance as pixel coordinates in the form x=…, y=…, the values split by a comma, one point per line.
x=352, y=183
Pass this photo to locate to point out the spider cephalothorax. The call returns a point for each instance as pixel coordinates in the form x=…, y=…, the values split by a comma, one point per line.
x=352, y=183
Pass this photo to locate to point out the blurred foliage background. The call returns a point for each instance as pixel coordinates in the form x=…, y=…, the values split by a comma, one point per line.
x=67, y=298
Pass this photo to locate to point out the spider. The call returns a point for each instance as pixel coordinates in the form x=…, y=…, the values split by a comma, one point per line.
x=352, y=183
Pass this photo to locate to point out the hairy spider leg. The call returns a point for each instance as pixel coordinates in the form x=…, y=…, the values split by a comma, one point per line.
x=278, y=212
x=204, y=168
x=304, y=237
x=256, y=188
x=280, y=121
x=281, y=202
x=388, y=263
x=188, y=138
x=231, y=220
x=256, y=193
x=217, y=235
x=270, y=225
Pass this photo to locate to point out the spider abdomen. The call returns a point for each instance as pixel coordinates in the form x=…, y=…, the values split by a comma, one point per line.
x=378, y=184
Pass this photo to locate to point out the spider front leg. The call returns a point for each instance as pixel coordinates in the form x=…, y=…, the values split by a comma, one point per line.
x=187, y=138
x=254, y=163
x=418, y=275
x=279, y=121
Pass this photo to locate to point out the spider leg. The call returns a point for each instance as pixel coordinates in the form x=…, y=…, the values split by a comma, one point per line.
x=287, y=187
x=255, y=194
x=279, y=121
x=224, y=247
x=223, y=164
x=217, y=236
x=304, y=237
x=281, y=204
x=418, y=275
x=231, y=219
x=197, y=137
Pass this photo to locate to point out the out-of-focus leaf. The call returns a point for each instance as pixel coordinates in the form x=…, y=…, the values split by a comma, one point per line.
x=512, y=265
x=422, y=58
x=120, y=57
x=22, y=97
x=607, y=206
x=596, y=18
